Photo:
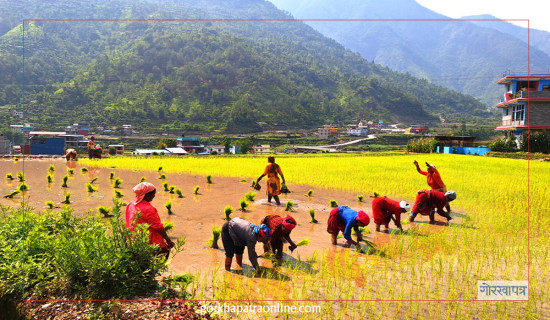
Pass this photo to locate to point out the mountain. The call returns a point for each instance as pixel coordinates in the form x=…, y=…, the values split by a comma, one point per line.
x=206, y=73
x=456, y=54
x=537, y=38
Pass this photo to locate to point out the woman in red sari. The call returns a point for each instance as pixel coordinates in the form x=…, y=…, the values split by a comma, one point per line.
x=272, y=171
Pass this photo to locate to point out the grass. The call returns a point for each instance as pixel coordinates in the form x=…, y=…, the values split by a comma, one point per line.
x=111, y=175
x=162, y=177
x=83, y=169
x=104, y=211
x=228, y=210
x=94, y=179
x=488, y=241
x=70, y=171
x=23, y=187
x=303, y=242
x=13, y=194
x=168, y=226
x=142, y=179
x=171, y=189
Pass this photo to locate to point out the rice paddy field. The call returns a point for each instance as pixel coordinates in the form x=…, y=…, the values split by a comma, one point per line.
x=499, y=231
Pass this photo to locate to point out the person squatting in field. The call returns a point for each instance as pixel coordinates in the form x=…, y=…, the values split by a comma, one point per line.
x=344, y=219
x=384, y=210
x=429, y=201
x=272, y=171
x=280, y=230
x=238, y=233
x=70, y=154
x=433, y=177
x=142, y=209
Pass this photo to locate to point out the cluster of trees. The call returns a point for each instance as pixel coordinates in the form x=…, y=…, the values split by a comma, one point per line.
x=533, y=142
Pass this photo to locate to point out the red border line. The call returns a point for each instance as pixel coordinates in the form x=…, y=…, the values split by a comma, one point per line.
x=290, y=20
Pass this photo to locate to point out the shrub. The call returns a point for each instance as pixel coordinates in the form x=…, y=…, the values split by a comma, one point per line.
x=535, y=142
x=422, y=145
x=112, y=151
x=506, y=143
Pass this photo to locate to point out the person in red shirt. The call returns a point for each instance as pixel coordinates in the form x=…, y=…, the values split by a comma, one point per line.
x=383, y=209
x=280, y=230
x=429, y=201
x=142, y=209
x=433, y=177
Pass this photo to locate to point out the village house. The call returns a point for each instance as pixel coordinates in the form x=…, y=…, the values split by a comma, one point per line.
x=261, y=149
x=190, y=144
x=326, y=131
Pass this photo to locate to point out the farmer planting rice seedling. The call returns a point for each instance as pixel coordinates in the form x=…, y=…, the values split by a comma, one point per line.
x=385, y=210
x=345, y=219
x=272, y=171
x=280, y=231
x=429, y=201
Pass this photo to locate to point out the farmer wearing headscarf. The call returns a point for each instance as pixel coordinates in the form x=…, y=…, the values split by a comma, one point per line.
x=343, y=219
x=91, y=147
x=272, y=171
x=280, y=230
x=142, y=210
x=384, y=210
x=238, y=233
x=429, y=201
x=432, y=176
x=70, y=154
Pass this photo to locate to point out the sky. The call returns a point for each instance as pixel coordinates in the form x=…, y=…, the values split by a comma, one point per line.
x=537, y=11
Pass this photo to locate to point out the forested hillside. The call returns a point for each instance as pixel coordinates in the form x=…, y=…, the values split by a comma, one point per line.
x=203, y=75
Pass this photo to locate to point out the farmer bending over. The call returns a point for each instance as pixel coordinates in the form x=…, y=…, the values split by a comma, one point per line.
x=343, y=219
x=383, y=210
x=429, y=201
x=280, y=230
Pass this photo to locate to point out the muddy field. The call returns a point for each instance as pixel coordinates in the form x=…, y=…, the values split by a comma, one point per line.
x=194, y=215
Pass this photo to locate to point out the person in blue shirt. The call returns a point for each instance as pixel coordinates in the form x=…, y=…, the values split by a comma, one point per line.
x=343, y=219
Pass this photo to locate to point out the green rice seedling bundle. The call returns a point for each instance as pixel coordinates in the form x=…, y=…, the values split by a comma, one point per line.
x=228, y=210
x=284, y=189
x=168, y=206
x=243, y=203
x=51, y=168
x=117, y=183
x=49, y=178
x=94, y=179
x=67, y=198
x=20, y=176
x=162, y=177
x=13, y=194
x=289, y=206
x=83, y=169
x=142, y=179
x=333, y=204
x=303, y=242
x=179, y=193
x=309, y=193
x=312, y=215
x=250, y=196
x=9, y=176
x=105, y=211
x=70, y=171
x=213, y=242
x=165, y=186
x=118, y=194
x=65, y=179
x=159, y=169
x=255, y=185
x=360, y=198
x=209, y=179
x=23, y=187
x=168, y=226
x=90, y=187
x=49, y=204
x=196, y=190
x=15, y=159
x=111, y=175
x=172, y=188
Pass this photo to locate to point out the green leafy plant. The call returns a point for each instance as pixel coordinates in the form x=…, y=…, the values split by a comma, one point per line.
x=250, y=196
x=12, y=194
x=142, y=179
x=118, y=194
x=243, y=203
x=213, y=242
x=333, y=204
x=105, y=211
x=172, y=188
x=303, y=242
x=168, y=206
x=94, y=179
x=117, y=183
x=20, y=176
x=65, y=179
x=67, y=198
x=9, y=176
x=179, y=193
x=159, y=169
x=309, y=193
x=312, y=215
x=228, y=210
x=90, y=187
x=284, y=189
x=168, y=226
x=162, y=177
x=50, y=178
x=49, y=204
x=111, y=175
x=51, y=168
x=15, y=159
x=23, y=187
x=360, y=198
x=165, y=186
x=70, y=171
x=289, y=206
x=209, y=179
x=196, y=190
x=83, y=169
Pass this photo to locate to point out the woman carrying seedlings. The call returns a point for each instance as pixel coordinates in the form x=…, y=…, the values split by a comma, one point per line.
x=343, y=219
x=428, y=201
x=280, y=230
x=238, y=233
x=434, y=179
x=383, y=210
x=272, y=171
x=91, y=147
x=145, y=193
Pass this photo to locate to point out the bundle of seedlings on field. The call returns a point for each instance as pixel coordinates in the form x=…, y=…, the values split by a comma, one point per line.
x=15, y=159
x=168, y=225
x=360, y=198
x=162, y=177
x=303, y=242
x=289, y=206
x=67, y=198
x=23, y=187
x=165, y=186
x=12, y=194
x=160, y=169
x=333, y=204
x=312, y=215
x=83, y=169
x=111, y=175
x=255, y=185
x=117, y=205
x=49, y=204
x=51, y=168
x=70, y=171
x=94, y=180
x=20, y=176
x=250, y=196
x=105, y=211
x=65, y=179
x=209, y=179
x=118, y=194
x=9, y=176
x=309, y=193
x=213, y=242
x=284, y=189
x=118, y=182
x=179, y=193
x=243, y=203
x=50, y=178
x=376, y=195
x=196, y=190
x=172, y=188
x=228, y=210
x=168, y=206
x=90, y=187
x=369, y=247
x=243, y=180
x=142, y=179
